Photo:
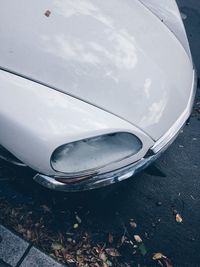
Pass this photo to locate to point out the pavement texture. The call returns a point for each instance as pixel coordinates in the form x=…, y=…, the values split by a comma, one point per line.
x=16, y=252
x=37, y=259
x=12, y=247
x=150, y=198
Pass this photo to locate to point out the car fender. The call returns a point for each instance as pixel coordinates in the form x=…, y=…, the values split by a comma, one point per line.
x=35, y=120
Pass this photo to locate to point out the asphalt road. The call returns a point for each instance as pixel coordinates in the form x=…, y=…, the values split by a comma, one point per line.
x=150, y=198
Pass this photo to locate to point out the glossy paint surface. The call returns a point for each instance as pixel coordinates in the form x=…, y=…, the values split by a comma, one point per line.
x=169, y=14
x=114, y=54
x=35, y=120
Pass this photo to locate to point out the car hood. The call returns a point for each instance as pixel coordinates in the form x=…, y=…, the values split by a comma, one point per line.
x=113, y=54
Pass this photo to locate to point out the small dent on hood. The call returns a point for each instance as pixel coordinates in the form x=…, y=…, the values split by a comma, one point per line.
x=47, y=13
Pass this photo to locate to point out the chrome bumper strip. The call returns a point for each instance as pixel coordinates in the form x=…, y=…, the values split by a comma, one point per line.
x=95, y=181
x=128, y=171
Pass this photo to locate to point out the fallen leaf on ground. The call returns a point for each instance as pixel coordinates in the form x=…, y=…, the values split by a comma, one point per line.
x=56, y=246
x=138, y=238
x=103, y=257
x=162, y=259
x=29, y=234
x=69, y=258
x=75, y=226
x=179, y=219
x=123, y=239
x=112, y=252
x=158, y=256
x=133, y=225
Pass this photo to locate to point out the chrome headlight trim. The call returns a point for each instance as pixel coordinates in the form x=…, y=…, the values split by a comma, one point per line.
x=95, y=155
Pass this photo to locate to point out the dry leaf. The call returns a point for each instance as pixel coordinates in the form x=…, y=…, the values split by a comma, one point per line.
x=162, y=259
x=123, y=239
x=103, y=257
x=56, y=246
x=75, y=226
x=29, y=235
x=138, y=238
x=69, y=258
x=133, y=225
x=158, y=256
x=112, y=252
x=179, y=219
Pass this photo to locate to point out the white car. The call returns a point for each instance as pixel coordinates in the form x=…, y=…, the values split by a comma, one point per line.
x=91, y=91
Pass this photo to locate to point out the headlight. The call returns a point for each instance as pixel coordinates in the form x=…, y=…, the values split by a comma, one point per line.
x=89, y=156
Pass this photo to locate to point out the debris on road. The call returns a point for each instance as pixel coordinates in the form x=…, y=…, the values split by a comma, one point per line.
x=75, y=226
x=162, y=260
x=133, y=225
x=78, y=219
x=138, y=239
x=179, y=219
x=112, y=252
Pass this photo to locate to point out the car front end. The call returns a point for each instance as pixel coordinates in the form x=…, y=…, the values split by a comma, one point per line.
x=96, y=180
x=91, y=94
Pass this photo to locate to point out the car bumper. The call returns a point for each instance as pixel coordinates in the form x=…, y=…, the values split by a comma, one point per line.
x=128, y=171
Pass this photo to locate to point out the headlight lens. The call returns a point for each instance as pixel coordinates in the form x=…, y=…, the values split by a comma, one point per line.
x=90, y=155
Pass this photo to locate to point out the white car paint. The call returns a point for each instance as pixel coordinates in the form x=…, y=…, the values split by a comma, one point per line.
x=91, y=67
x=36, y=120
x=116, y=55
x=169, y=14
